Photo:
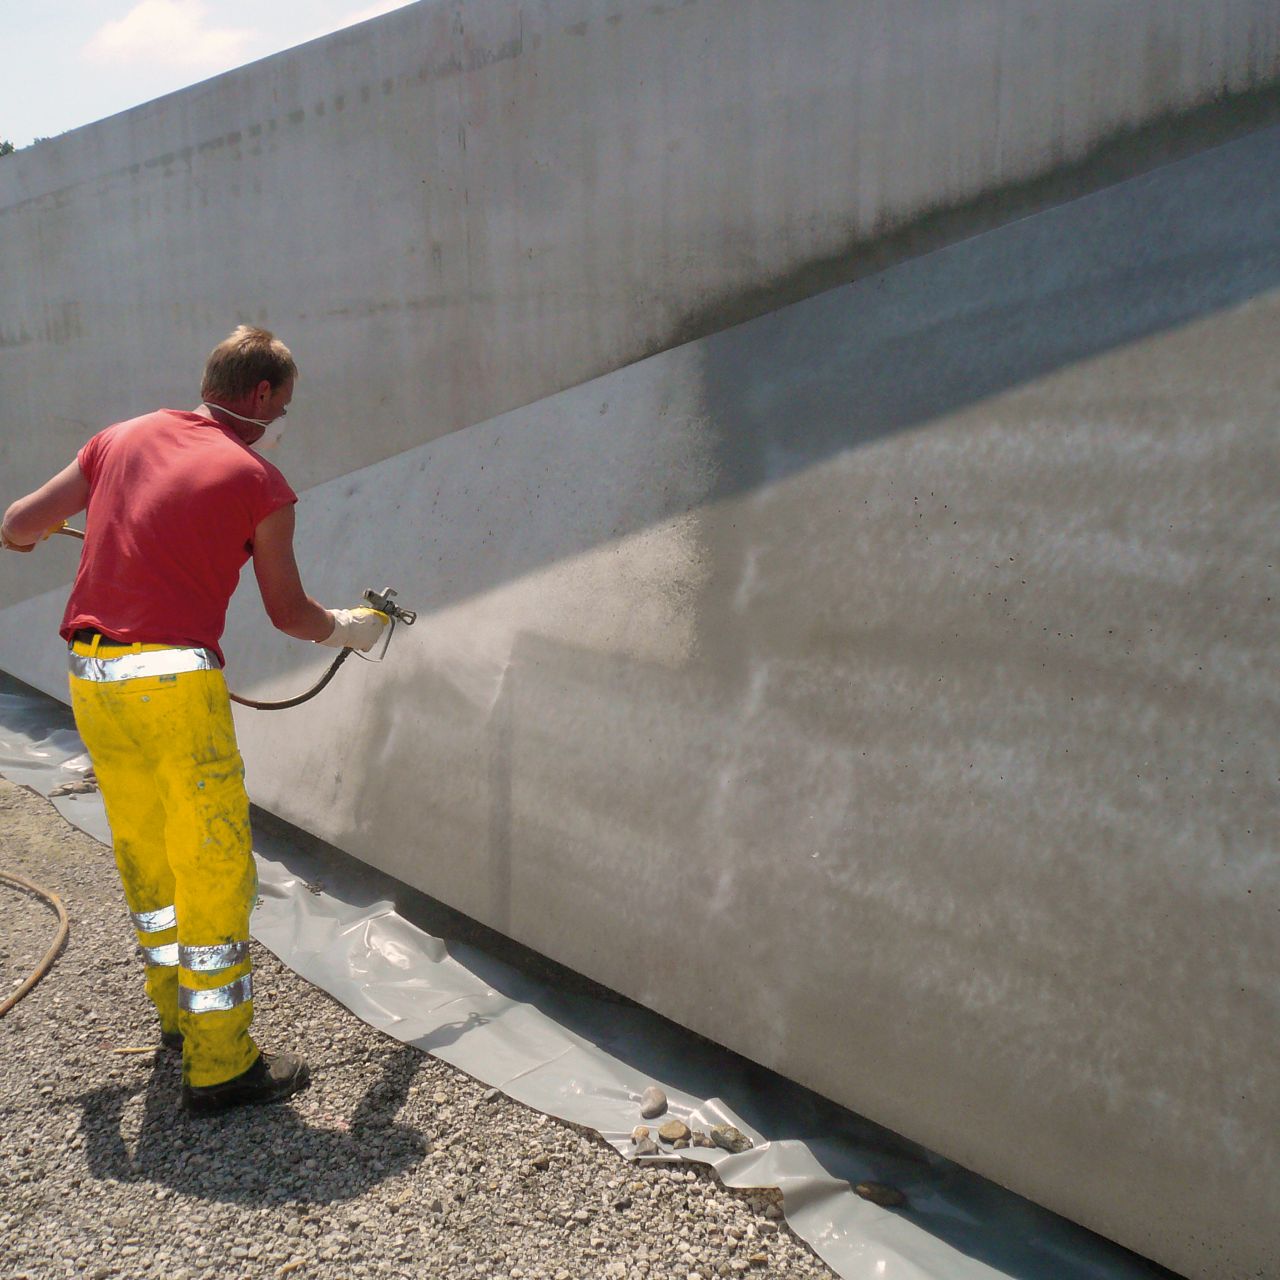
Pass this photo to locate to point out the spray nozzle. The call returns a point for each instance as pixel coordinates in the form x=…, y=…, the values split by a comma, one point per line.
x=384, y=602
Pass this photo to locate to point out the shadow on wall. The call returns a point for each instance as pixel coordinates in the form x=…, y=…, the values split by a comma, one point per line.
x=952, y=328
x=853, y=365
x=784, y=393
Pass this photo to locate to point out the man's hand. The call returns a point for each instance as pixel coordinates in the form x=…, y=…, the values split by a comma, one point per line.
x=10, y=545
x=355, y=629
x=24, y=547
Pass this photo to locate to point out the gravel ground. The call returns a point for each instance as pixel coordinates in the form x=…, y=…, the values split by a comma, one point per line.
x=391, y=1164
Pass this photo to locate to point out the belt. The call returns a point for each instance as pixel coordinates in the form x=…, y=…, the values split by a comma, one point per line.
x=132, y=666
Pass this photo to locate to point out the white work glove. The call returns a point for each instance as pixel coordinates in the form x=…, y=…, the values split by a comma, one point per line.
x=355, y=629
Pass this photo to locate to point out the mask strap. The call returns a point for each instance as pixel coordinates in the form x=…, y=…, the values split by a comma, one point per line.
x=257, y=422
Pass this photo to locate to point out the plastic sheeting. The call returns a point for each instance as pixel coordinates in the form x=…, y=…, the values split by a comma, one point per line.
x=587, y=1060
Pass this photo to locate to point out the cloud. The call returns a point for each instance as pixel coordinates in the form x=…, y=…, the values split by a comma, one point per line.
x=176, y=33
x=356, y=15
x=374, y=11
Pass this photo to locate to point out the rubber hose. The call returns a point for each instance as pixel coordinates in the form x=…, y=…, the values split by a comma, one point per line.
x=52, y=954
x=343, y=654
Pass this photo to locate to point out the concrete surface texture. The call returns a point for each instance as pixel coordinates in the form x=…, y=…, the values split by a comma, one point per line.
x=898, y=665
x=459, y=208
x=883, y=687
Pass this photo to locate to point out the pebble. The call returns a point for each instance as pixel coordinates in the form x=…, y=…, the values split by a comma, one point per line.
x=881, y=1193
x=653, y=1102
x=82, y=786
x=674, y=1131
x=731, y=1139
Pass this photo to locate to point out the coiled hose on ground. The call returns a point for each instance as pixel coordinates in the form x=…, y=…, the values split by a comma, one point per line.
x=52, y=954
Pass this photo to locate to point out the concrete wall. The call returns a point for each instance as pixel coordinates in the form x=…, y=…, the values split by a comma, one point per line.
x=899, y=664
x=459, y=208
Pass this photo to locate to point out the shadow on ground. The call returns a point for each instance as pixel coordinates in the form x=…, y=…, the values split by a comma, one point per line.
x=253, y=1155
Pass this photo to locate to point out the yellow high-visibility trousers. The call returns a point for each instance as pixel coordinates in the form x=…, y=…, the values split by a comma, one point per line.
x=164, y=750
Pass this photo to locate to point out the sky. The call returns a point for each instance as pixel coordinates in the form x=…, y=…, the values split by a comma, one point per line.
x=66, y=63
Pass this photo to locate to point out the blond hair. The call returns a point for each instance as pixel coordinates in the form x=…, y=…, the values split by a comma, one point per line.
x=240, y=362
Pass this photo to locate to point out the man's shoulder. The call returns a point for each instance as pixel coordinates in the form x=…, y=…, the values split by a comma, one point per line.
x=235, y=458
x=269, y=468
x=274, y=485
x=220, y=454
x=111, y=436
x=156, y=419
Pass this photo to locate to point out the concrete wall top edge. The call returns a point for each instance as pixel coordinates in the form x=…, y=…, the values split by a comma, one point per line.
x=473, y=206
x=466, y=38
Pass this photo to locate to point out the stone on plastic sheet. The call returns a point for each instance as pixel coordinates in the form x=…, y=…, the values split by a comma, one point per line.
x=653, y=1102
x=730, y=1138
x=674, y=1131
x=79, y=787
x=881, y=1193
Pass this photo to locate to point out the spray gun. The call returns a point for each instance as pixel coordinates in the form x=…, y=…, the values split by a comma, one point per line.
x=384, y=602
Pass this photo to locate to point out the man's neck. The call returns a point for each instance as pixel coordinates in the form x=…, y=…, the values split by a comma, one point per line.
x=225, y=417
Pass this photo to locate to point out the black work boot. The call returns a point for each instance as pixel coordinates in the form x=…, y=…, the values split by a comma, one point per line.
x=171, y=1040
x=271, y=1078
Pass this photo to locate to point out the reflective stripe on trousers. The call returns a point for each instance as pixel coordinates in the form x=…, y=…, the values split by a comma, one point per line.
x=134, y=666
x=155, y=921
x=210, y=959
x=149, y=925
x=224, y=955
x=237, y=992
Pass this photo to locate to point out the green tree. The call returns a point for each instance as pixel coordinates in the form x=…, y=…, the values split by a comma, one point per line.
x=6, y=148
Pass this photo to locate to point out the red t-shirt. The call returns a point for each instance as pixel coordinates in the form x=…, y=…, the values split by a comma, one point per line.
x=174, y=500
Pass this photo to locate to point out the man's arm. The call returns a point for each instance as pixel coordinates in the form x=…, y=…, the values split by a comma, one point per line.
x=31, y=518
x=288, y=606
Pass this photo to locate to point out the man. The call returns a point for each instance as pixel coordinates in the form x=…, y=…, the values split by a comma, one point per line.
x=177, y=502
